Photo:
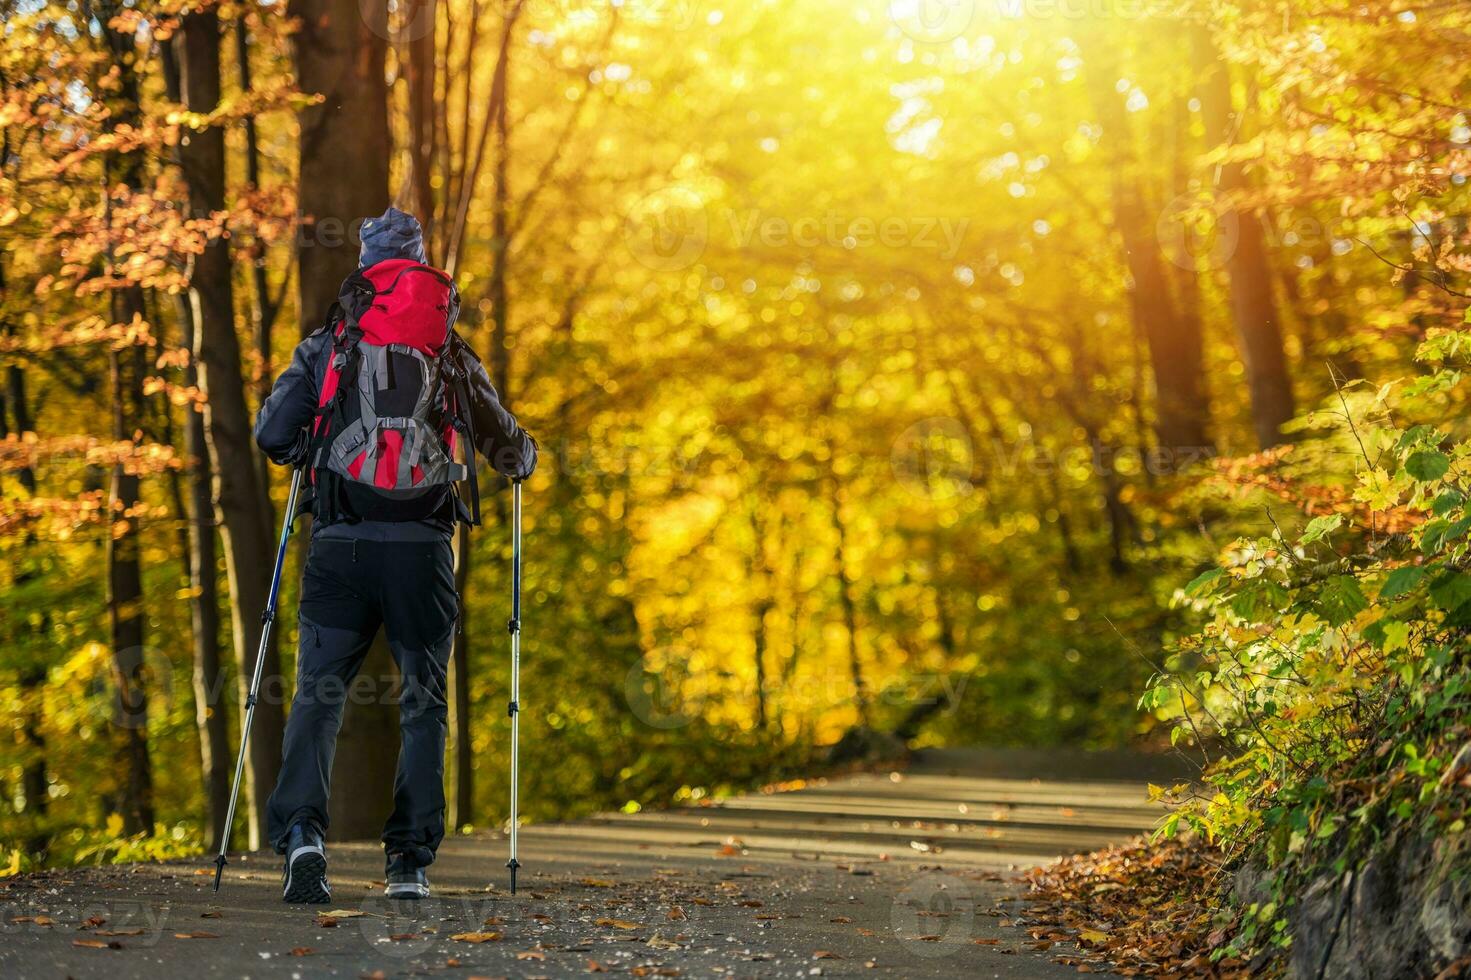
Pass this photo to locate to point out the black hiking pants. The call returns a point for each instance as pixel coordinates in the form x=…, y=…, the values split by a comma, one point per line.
x=351, y=588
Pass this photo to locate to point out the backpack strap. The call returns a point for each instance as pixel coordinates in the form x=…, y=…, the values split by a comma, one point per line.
x=329, y=416
x=463, y=419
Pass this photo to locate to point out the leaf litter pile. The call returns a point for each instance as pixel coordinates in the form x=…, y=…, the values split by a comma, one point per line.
x=1139, y=909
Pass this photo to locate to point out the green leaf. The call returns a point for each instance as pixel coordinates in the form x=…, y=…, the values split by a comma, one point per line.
x=1427, y=464
x=1438, y=533
x=1396, y=636
x=1319, y=528
x=1341, y=600
x=1448, y=501
x=1451, y=591
x=1400, y=581
x=1204, y=583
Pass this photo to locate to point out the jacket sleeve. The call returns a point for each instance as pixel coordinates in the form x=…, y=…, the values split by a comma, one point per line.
x=283, y=425
x=509, y=448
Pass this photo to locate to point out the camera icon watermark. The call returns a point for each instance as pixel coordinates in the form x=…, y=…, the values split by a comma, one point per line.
x=668, y=229
x=680, y=15
x=934, y=916
x=399, y=21
x=933, y=21
x=124, y=696
x=934, y=459
x=1198, y=230
x=663, y=691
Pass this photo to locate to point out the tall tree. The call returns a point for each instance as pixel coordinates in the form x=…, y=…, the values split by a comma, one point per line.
x=127, y=367
x=339, y=54
x=1182, y=408
x=200, y=560
x=239, y=497
x=1252, y=307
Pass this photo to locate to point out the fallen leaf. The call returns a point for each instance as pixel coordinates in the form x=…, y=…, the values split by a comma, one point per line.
x=531, y=954
x=302, y=951
x=121, y=932
x=399, y=937
x=596, y=883
x=93, y=922
x=344, y=913
x=617, y=923
x=824, y=954
x=96, y=944
x=677, y=914
x=195, y=935
x=659, y=942
x=476, y=937
x=840, y=919
x=1093, y=936
x=326, y=922
x=209, y=915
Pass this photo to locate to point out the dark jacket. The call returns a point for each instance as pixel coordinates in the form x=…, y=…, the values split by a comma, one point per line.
x=283, y=425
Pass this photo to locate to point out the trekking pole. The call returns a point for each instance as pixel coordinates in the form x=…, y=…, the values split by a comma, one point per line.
x=268, y=618
x=514, y=708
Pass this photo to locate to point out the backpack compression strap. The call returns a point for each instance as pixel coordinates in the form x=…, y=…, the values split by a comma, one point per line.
x=464, y=423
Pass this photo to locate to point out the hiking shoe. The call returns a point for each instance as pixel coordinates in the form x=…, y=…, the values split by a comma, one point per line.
x=405, y=880
x=305, y=878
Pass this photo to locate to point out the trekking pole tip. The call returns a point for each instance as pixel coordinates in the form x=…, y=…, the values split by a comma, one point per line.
x=219, y=870
x=513, y=864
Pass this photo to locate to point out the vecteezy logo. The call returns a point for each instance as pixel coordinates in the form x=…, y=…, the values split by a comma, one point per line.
x=934, y=458
x=668, y=229
x=1193, y=229
x=932, y=21
x=663, y=692
x=935, y=915
x=398, y=21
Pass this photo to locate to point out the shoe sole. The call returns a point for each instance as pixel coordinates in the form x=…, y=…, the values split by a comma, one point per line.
x=407, y=890
x=306, y=877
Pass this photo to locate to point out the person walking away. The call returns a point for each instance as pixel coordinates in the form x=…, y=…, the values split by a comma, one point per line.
x=374, y=405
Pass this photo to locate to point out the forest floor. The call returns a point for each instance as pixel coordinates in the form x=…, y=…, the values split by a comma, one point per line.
x=908, y=874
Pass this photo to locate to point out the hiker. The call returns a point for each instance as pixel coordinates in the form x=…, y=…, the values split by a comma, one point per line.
x=373, y=405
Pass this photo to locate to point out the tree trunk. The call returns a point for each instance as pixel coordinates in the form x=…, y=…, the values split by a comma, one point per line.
x=265, y=306
x=127, y=369
x=34, y=781
x=339, y=56
x=239, y=498
x=210, y=714
x=1182, y=410
x=423, y=131
x=1252, y=306
x=198, y=548
x=848, y=603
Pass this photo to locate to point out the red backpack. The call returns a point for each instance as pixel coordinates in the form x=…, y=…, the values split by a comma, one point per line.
x=394, y=399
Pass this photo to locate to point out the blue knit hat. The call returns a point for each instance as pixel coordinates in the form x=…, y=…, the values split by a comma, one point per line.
x=391, y=235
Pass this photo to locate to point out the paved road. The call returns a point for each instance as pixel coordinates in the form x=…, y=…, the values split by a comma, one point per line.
x=901, y=874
